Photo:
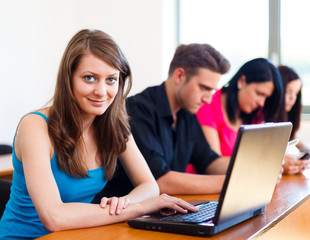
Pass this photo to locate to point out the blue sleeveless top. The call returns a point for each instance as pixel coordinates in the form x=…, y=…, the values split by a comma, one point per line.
x=20, y=219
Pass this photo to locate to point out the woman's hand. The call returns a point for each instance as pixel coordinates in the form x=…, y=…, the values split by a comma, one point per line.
x=155, y=204
x=116, y=204
x=293, y=165
x=165, y=201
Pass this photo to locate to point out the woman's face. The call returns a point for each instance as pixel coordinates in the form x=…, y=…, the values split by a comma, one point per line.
x=292, y=90
x=95, y=85
x=253, y=95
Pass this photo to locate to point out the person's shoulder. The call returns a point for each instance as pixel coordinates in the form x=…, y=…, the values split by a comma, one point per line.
x=217, y=94
x=215, y=106
x=144, y=100
x=32, y=120
x=147, y=94
x=32, y=129
x=216, y=98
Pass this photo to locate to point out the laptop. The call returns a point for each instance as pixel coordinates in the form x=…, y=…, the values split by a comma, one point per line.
x=248, y=187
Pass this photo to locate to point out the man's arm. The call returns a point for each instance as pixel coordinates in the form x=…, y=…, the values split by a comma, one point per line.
x=183, y=183
x=218, y=166
x=176, y=183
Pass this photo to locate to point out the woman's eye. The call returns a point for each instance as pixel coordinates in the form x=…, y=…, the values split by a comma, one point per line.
x=111, y=80
x=89, y=78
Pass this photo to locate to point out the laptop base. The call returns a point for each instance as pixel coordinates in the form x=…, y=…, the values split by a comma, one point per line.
x=152, y=223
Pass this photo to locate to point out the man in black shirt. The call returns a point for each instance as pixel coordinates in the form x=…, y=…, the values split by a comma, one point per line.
x=167, y=132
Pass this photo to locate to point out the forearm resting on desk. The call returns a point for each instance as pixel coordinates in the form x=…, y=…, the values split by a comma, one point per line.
x=175, y=183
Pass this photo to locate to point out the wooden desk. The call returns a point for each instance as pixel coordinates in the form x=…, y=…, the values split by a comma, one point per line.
x=289, y=201
x=295, y=226
x=6, y=167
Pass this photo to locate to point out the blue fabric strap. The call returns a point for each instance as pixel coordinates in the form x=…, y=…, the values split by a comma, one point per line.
x=42, y=115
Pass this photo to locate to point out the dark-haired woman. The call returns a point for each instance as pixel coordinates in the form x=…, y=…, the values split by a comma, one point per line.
x=293, y=106
x=253, y=95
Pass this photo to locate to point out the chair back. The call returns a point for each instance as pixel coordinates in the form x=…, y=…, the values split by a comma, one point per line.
x=5, y=190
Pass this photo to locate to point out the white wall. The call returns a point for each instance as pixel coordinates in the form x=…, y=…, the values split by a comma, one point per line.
x=34, y=34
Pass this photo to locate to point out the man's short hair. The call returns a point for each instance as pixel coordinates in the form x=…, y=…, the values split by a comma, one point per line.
x=194, y=56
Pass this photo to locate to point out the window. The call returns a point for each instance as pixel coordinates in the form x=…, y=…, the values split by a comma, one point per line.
x=295, y=40
x=239, y=29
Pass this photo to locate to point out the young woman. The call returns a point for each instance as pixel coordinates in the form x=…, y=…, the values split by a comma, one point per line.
x=253, y=95
x=292, y=86
x=64, y=154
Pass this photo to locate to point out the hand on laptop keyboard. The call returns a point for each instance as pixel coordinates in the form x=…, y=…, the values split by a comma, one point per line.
x=167, y=212
x=206, y=212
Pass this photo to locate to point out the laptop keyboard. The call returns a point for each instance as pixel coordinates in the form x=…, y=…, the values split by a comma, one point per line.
x=206, y=212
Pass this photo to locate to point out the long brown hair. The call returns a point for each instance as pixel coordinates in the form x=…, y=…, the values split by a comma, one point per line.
x=65, y=127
